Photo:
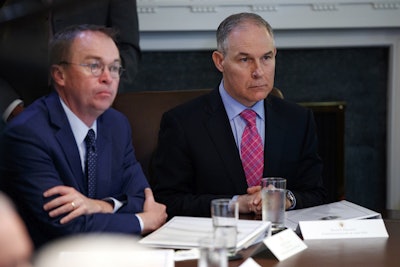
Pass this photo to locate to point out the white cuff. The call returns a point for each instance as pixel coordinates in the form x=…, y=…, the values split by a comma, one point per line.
x=140, y=222
x=117, y=204
x=10, y=108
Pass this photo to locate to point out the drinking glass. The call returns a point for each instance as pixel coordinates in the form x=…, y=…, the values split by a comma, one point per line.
x=225, y=215
x=273, y=194
x=213, y=252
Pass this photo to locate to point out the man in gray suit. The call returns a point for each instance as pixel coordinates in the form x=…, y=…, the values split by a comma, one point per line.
x=26, y=27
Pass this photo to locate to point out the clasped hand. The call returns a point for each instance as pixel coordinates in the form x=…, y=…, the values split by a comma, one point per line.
x=251, y=202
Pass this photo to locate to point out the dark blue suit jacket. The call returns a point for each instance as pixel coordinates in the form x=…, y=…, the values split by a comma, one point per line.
x=39, y=151
x=197, y=159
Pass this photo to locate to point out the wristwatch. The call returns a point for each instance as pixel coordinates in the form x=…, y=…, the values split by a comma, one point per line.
x=291, y=198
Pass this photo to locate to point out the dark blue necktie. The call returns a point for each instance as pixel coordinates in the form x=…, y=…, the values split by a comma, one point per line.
x=90, y=167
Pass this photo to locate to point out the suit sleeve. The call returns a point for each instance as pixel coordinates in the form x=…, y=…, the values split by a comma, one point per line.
x=306, y=180
x=132, y=179
x=180, y=174
x=124, y=18
x=8, y=95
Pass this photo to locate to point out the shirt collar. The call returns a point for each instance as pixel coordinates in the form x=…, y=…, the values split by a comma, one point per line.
x=234, y=108
x=78, y=127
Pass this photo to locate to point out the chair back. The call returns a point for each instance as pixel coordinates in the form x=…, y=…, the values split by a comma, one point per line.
x=144, y=111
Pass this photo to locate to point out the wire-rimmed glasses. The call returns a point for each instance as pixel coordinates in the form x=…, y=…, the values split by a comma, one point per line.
x=97, y=68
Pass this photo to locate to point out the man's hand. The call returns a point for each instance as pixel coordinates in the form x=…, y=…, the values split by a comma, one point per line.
x=73, y=204
x=251, y=202
x=154, y=214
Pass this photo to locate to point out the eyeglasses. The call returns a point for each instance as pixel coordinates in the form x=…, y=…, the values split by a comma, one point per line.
x=97, y=68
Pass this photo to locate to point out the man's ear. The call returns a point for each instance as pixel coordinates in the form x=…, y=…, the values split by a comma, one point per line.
x=218, y=59
x=57, y=73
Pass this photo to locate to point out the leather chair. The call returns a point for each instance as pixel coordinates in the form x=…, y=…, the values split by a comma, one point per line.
x=144, y=111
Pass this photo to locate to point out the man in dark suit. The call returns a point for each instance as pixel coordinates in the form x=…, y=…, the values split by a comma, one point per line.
x=27, y=26
x=43, y=164
x=199, y=156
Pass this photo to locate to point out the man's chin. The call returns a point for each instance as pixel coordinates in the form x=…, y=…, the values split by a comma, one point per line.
x=103, y=105
x=260, y=95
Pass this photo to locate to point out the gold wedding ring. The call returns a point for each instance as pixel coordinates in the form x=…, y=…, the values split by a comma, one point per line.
x=73, y=205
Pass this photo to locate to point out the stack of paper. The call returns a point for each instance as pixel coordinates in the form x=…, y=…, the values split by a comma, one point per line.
x=342, y=210
x=184, y=233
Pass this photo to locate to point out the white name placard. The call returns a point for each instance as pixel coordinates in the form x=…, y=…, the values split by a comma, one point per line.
x=284, y=244
x=250, y=263
x=337, y=229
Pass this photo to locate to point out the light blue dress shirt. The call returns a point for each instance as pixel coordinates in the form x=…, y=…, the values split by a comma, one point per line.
x=234, y=108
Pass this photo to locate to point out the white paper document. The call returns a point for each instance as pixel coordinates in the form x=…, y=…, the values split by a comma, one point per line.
x=183, y=232
x=341, y=210
x=338, y=229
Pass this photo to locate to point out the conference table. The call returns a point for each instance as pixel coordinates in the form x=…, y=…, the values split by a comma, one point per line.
x=365, y=252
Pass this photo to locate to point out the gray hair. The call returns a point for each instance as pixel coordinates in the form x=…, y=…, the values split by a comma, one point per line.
x=235, y=20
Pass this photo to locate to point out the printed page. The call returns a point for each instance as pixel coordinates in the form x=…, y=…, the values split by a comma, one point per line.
x=341, y=210
x=184, y=232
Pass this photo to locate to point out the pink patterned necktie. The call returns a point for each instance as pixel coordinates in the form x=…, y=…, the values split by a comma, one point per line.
x=251, y=148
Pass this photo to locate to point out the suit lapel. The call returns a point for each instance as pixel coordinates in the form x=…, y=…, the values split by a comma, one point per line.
x=220, y=131
x=104, y=155
x=65, y=138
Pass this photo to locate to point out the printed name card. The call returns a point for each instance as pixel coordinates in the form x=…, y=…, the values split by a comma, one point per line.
x=284, y=244
x=337, y=229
